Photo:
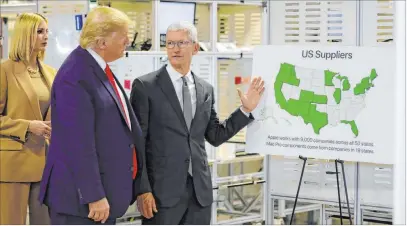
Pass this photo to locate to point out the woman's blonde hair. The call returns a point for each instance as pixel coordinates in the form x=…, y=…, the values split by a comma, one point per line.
x=101, y=22
x=25, y=36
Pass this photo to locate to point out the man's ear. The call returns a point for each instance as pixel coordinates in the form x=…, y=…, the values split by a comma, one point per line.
x=101, y=43
x=196, y=48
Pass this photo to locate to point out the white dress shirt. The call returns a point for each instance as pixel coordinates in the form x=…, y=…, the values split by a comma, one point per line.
x=176, y=79
x=103, y=64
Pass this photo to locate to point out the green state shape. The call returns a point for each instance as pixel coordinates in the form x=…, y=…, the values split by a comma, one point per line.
x=320, y=99
x=308, y=113
x=337, y=95
x=297, y=108
x=287, y=75
x=365, y=84
x=329, y=75
x=306, y=96
x=373, y=74
x=346, y=85
x=317, y=119
x=345, y=82
x=341, y=77
x=353, y=126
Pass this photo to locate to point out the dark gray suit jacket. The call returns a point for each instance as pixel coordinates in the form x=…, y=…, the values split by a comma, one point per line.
x=168, y=142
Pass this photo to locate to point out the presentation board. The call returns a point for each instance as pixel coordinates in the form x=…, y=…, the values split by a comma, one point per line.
x=325, y=102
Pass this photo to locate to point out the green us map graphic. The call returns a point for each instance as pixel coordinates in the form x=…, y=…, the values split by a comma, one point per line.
x=321, y=97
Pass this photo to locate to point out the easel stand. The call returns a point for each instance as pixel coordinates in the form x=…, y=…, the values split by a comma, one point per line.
x=337, y=183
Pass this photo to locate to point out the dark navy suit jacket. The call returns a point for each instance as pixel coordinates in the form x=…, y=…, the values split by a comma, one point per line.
x=90, y=155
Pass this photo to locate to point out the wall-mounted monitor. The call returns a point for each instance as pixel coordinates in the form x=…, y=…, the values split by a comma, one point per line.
x=170, y=12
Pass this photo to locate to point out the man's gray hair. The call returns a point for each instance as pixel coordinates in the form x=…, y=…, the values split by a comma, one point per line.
x=185, y=26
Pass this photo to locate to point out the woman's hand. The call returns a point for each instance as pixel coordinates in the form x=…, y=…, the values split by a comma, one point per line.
x=40, y=128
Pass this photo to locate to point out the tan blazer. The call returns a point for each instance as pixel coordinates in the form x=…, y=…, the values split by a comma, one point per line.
x=21, y=160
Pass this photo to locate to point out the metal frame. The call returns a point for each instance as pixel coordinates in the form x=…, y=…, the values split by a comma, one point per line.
x=357, y=212
x=399, y=189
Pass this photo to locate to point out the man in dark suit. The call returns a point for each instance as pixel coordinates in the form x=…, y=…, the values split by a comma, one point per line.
x=176, y=113
x=96, y=142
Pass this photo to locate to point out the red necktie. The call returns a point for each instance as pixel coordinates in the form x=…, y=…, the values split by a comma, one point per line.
x=113, y=83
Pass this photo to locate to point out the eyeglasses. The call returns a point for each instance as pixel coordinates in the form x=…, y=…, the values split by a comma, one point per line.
x=180, y=44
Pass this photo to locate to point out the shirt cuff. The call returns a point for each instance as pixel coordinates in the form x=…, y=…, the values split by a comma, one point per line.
x=245, y=113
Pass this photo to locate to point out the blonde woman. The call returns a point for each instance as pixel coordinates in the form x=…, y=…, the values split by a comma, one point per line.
x=25, y=127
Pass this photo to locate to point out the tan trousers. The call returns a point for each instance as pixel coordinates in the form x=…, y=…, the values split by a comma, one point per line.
x=14, y=200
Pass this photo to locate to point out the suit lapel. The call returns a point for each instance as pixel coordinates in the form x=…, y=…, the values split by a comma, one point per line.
x=168, y=89
x=101, y=74
x=200, y=95
x=24, y=79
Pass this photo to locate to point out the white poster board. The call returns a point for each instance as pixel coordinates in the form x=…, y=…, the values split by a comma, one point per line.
x=64, y=37
x=65, y=21
x=325, y=102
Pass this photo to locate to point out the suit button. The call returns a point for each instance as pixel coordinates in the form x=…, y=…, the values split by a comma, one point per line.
x=187, y=160
x=132, y=146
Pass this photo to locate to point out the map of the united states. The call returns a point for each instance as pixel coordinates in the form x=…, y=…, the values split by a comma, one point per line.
x=321, y=97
